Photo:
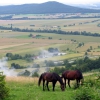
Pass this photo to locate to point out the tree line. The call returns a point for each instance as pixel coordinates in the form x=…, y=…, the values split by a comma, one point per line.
x=11, y=56
x=27, y=57
x=51, y=31
x=83, y=65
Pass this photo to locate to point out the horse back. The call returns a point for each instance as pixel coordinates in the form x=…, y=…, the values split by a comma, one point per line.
x=75, y=75
x=49, y=77
x=64, y=74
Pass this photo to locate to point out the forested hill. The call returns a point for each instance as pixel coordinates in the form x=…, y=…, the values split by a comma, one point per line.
x=43, y=8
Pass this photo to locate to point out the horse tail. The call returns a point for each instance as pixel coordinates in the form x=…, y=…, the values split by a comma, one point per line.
x=39, y=81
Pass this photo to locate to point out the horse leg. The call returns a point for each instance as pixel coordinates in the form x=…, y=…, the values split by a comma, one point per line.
x=68, y=82
x=65, y=82
x=43, y=85
x=47, y=85
x=77, y=81
x=53, y=85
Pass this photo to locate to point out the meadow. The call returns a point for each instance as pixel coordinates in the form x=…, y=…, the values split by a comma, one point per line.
x=23, y=88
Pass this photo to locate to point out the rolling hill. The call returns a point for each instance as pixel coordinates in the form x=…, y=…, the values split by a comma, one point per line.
x=43, y=8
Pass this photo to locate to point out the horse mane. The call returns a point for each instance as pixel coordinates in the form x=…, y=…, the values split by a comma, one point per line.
x=58, y=78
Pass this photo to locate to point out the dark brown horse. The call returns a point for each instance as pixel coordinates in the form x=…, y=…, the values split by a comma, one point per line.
x=51, y=77
x=72, y=75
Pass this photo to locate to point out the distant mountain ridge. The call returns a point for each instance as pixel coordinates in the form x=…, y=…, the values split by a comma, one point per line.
x=88, y=6
x=43, y=8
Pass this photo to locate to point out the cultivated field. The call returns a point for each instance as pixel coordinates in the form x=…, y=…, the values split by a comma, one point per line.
x=21, y=43
x=84, y=24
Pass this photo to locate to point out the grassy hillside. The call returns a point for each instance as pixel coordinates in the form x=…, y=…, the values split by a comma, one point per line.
x=23, y=88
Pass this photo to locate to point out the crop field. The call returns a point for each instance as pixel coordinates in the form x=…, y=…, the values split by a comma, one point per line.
x=84, y=24
x=21, y=43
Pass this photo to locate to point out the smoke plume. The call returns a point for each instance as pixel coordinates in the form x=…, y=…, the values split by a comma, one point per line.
x=4, y=68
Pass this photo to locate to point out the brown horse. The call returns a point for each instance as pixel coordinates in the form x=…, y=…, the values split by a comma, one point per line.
x=51, y=77
x=72, y=75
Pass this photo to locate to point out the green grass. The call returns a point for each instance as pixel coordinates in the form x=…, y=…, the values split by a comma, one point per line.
x=78, y=38
x=33, y=92
x=23, y=36
x=20, y=62
x=22, y=88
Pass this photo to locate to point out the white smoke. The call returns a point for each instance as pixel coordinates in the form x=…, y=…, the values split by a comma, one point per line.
x=4, y=68
x=46, y=54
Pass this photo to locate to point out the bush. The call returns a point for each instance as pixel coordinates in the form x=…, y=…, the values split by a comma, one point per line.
x=35, y=74
x=83, y=94
x=4, y=90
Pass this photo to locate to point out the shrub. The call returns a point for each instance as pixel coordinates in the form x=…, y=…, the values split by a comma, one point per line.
x=35, y=74
x=4, y=90
x=83, y=94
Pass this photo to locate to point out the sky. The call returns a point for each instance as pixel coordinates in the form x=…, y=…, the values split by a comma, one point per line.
x=17, y=2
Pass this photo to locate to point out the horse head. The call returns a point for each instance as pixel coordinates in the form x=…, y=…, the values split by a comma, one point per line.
x=82, y=81
x=62, y=86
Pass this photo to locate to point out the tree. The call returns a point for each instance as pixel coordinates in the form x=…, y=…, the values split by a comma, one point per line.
x=86, y=53
x=67, y=49
x=11, y=27
x=88, y=50
x=9, y=54
x=49, y=37
x=50, y=63
x=90, y=47
x=30, y=35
